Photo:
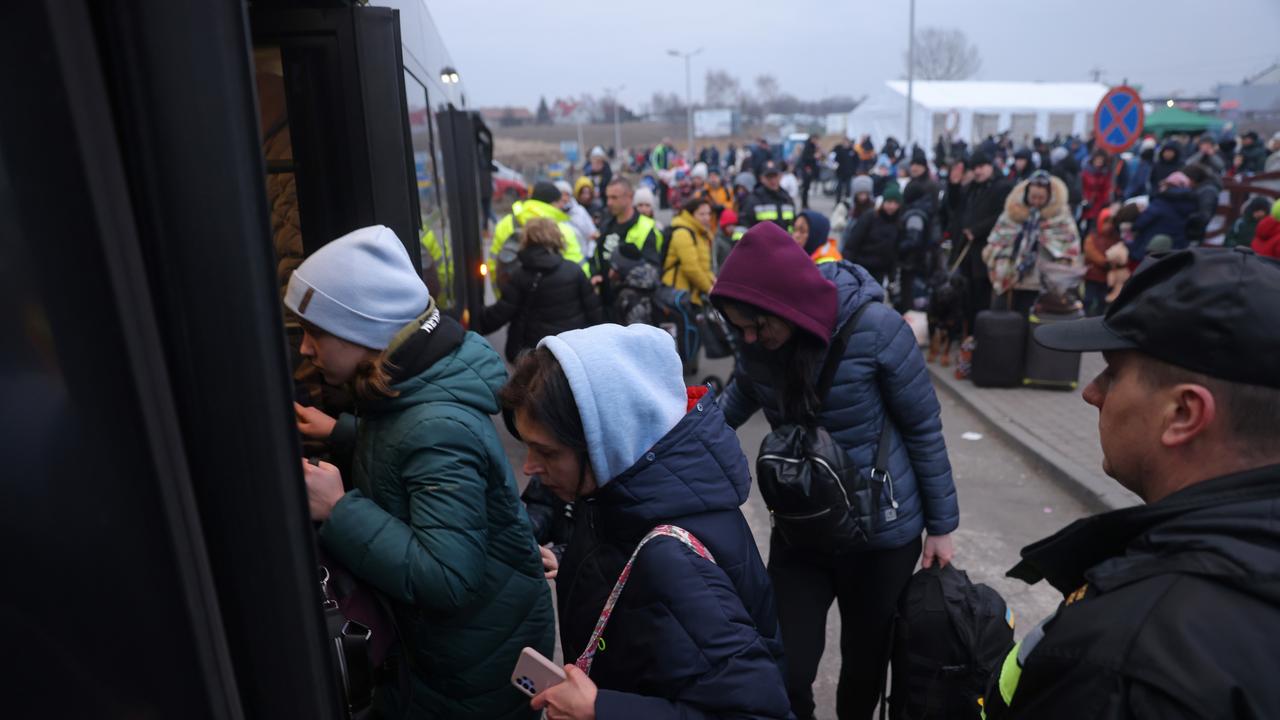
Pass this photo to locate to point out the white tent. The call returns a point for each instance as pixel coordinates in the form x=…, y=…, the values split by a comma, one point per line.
x=971, y=110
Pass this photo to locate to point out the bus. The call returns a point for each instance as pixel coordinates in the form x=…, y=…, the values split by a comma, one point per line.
x=163, y=167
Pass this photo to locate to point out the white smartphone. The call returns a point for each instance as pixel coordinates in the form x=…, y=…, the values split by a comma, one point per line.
x=535, y=673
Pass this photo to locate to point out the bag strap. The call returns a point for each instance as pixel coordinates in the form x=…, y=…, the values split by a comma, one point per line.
x=836, y=353
x=882, y=448
x=588, y=655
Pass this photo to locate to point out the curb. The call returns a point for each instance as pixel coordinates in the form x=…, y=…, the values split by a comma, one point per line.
x=1093, y=489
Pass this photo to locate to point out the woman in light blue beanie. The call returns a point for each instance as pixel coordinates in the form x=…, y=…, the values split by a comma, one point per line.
x=434, y=521
x=657, y=479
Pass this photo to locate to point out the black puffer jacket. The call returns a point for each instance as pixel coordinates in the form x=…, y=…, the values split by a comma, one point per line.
x=546, y=295
x=1173, y=610
x=873, y=242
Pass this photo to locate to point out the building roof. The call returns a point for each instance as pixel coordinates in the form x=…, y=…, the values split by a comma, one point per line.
x=498, y=113
x=980, y=95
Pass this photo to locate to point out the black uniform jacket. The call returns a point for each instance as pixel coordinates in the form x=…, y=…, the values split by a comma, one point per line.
x=1172, y=611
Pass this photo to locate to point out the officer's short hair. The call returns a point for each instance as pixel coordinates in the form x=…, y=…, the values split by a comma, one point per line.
x=623, y=183
x=1252, y=412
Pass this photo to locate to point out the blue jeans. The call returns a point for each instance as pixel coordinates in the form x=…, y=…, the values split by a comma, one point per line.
x=1095, y=298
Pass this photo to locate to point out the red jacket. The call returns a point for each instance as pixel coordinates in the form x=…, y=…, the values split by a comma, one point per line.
x=1097, y=187
x=1266, y=239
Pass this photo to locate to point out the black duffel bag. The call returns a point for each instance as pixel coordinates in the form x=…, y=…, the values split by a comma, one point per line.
x=817, y=498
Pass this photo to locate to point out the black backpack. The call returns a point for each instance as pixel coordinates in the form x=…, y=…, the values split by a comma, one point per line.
x=818, y=499
x=950, y=636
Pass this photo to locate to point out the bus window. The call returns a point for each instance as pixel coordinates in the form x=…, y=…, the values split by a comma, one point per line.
x=438, y=262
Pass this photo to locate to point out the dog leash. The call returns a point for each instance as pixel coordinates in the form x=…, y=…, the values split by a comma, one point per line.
x=968, y=244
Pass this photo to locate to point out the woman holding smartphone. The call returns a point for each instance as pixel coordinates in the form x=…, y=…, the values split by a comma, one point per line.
x=657, y=478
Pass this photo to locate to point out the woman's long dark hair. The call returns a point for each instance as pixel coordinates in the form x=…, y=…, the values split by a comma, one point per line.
x=797, y=394
x=793, y=368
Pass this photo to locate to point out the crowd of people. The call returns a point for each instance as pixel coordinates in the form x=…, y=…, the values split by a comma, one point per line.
x=419, y=500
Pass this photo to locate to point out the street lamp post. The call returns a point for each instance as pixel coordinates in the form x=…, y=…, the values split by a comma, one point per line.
x=617, y=127
x=688, y=96
x=911, y=69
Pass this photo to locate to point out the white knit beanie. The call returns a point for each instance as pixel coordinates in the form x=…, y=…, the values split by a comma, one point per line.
x=361, y=287
x=643, y=196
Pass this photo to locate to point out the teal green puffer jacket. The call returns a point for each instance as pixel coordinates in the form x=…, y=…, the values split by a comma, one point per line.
x=436, y=523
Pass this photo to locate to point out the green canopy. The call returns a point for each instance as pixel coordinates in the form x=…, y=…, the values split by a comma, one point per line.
x=1171, y=119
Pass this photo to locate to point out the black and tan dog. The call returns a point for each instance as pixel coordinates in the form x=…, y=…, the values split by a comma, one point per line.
x=946, y=315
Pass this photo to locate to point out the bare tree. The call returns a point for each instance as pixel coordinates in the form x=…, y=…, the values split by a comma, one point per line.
x=721, y=89
x=942, y=54
x=667, y=106
x=766, y=87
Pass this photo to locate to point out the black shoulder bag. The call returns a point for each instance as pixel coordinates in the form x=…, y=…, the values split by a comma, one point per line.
x=818, y=500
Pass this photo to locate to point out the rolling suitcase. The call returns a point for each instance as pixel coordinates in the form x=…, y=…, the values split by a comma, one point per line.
x=1053, y=369
x=1000, y=339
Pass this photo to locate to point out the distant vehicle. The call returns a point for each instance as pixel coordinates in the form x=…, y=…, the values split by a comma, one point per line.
x=508, y=184
x=792, y=144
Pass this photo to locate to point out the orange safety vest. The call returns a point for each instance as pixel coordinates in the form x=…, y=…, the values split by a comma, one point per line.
x=829, y=252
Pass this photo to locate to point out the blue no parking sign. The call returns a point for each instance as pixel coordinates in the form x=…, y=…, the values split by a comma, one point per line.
x=1117, y=123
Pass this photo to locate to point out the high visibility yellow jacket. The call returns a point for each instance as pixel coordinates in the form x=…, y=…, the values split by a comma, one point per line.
x=524, y=211
x=442, y=260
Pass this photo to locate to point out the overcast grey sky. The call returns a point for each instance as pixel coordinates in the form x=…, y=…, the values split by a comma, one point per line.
x=513, y=52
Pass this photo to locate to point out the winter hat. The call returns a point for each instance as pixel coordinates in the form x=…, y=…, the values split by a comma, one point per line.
x=892, y=192
x=564, y=187
x=819, y=229
x=769, y=271
x=1255, y=204
x=746, y=180
x=598, y=152
x=628, y=384
x=918, y=157
x=863, y=184
x=979, y=158
x=1148, y=143
x=1178, y=179
x=699, y=171
x=1058, y=154
x=544, y=191
x=728, y=218
x=643, y=196
x=580, y=183
x=1022, y=154
x=361, y=287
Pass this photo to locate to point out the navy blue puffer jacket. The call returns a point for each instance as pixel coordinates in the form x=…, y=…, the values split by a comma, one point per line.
x=688, y=638
x=882, y=370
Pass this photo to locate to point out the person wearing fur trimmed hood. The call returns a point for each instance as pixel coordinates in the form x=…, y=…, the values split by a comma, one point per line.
x=1036, y=227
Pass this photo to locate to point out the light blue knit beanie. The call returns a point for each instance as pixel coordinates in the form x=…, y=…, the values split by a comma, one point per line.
x=361, y=287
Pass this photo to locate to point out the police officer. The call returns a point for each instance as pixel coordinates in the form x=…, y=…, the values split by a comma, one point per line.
x=1172, y=608
x=768, y=202
x=543, y=202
